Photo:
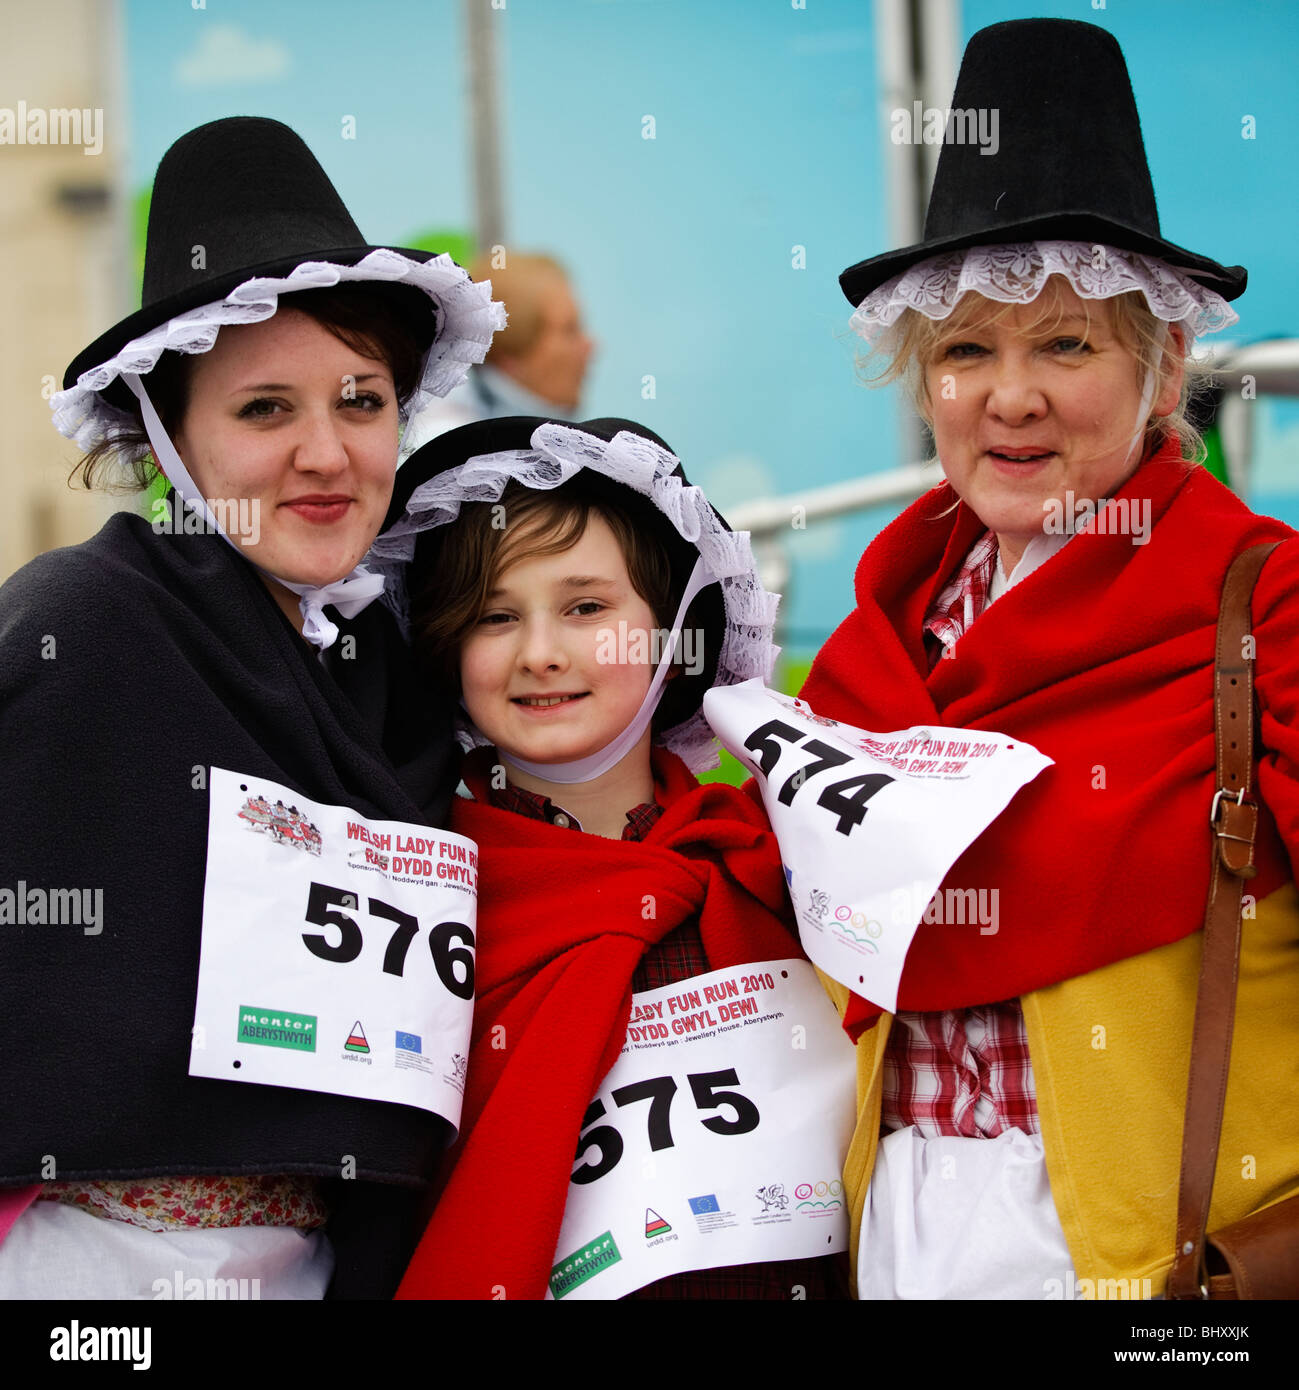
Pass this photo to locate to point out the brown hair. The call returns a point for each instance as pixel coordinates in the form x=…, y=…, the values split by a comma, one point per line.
x=366, y=320
x=461, y=563
x=915, y=340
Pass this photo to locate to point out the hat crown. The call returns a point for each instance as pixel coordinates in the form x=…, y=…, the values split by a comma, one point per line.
x=1067, y=133
x=237, y=193
x=1046, y=147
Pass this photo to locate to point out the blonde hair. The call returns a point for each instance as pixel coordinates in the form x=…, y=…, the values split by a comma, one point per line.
x=913, y=342
x=519, y=284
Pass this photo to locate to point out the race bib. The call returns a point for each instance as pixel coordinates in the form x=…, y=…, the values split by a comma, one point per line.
x=717, y=1138
x=870, y=824
x=338, y=952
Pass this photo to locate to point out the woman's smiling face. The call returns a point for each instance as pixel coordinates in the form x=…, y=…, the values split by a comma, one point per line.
x=1034, y=401
x=285, y=415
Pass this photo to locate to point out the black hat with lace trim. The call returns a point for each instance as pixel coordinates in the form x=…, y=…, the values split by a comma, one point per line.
x=242, y=213
x=1064, y=165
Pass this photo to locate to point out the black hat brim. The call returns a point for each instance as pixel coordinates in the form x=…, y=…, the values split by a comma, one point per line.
x=1228, y=281
x=413, y=303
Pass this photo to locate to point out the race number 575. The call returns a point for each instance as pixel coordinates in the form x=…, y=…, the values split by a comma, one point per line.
x=845, y=799
x=705, y=1087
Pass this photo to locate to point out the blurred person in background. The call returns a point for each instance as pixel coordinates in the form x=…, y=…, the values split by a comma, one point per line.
x=537, y=363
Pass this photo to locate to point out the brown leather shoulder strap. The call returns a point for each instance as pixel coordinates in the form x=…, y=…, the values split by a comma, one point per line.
x=1234, y=822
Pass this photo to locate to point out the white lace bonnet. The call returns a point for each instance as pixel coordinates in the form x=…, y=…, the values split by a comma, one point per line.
x=556, y=454
x=468, y=317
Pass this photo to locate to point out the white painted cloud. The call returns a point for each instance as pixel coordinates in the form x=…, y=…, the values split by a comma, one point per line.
x=226, y=55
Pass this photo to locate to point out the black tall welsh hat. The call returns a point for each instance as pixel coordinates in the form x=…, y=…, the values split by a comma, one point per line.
x=606, y=459
x=1069, y=162
x=244, y=199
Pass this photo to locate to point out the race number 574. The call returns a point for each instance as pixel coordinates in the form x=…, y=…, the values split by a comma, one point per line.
x=845, y=799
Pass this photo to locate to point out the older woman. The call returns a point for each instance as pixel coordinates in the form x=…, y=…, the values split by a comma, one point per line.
x=267, y=373
x=1022, y=1114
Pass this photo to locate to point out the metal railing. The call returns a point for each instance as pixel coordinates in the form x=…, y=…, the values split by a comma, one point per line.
x=1242, y=373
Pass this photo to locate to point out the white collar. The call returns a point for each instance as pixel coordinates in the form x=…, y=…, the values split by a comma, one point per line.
x=1036, y=553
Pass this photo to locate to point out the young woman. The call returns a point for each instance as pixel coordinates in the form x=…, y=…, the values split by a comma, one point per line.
x=267, y=373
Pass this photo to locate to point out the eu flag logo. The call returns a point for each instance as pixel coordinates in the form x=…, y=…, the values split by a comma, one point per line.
x=409, y=1042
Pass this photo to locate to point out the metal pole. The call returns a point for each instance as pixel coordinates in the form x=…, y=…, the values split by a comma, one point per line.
x=481, y=20
x=916, y=58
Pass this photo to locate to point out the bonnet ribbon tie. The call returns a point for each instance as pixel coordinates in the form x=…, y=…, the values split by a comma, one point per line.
x=349, y=594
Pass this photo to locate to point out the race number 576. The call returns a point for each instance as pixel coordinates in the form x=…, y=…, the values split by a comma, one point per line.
x=450, y=943
x=705, y=1087
x=845, y=799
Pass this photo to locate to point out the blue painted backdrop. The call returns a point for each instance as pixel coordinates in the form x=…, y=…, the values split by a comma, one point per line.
x=768, y=137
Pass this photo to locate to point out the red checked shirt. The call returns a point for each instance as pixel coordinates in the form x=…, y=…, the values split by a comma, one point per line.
x=963, y=599
x=676, y=958
x=963, y=1072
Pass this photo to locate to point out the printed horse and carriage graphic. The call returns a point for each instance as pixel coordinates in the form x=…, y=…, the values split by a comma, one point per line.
x=286, y=825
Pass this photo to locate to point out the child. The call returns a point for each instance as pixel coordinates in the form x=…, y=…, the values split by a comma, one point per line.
x=541, y=607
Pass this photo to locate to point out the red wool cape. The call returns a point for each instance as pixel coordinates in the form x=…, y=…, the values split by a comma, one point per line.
x=563, y=921
x=1103, y=660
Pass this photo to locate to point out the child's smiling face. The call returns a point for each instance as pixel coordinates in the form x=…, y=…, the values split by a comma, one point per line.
x=535, y=671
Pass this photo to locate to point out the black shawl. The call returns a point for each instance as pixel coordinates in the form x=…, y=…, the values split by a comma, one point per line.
x=128, y=666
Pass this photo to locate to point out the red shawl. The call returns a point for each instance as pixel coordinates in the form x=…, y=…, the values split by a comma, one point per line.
x=1102, y=658
x=563, y=921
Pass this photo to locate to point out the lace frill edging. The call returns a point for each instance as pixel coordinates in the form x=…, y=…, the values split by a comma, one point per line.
x=468, y=318
x=1017, y=273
